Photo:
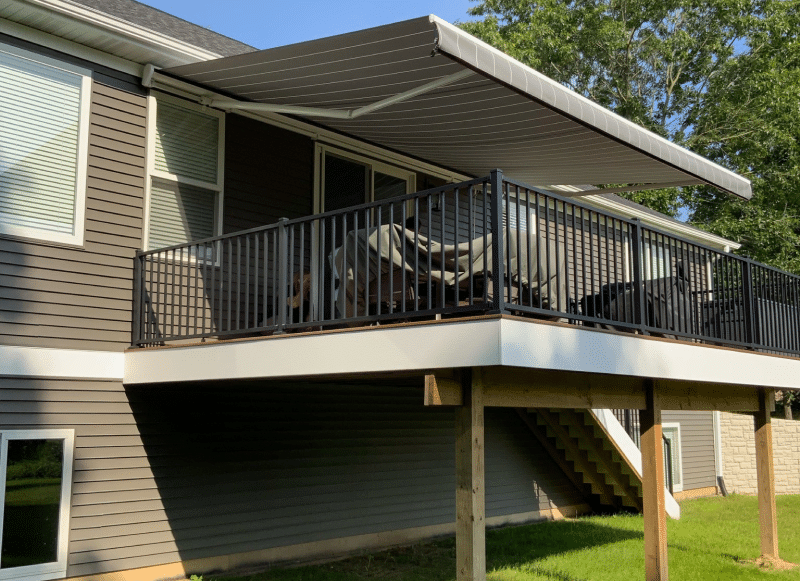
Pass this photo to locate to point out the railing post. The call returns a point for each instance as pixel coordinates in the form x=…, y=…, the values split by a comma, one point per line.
x=498, y=242
x=138, y=286
x=638, y=282
x=749, y=302
x=283, y=270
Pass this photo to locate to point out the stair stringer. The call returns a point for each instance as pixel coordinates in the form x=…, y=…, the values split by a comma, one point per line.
x=630, y=453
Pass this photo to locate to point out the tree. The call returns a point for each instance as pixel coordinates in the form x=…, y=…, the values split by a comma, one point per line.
x=753, y=128
x=718, y=76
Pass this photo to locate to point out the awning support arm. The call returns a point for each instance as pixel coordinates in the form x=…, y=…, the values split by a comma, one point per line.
x=232, y=105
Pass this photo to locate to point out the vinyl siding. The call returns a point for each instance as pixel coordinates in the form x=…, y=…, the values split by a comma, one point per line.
x=170, y=473
x=268, y=174
x=80, y=298
x=697, y=447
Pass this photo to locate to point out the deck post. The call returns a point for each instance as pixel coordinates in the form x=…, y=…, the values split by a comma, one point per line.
x=765, y=472
x=470, y=489
x=655, y=519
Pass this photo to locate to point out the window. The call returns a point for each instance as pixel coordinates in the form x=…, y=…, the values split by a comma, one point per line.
x=34, y=515
x=44, y=125
x=672, y=433
x=185, y=164
x=350, y=180
x=655, y=259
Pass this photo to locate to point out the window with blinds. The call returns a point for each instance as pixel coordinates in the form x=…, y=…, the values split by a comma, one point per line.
x=185, y=174
x=43, y=141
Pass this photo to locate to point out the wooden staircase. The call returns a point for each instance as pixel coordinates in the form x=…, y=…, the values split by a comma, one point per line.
x=588, y=456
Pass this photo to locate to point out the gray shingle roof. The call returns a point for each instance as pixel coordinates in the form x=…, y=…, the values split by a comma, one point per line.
x=167, y=24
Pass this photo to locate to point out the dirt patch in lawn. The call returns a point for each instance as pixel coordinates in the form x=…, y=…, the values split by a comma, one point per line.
x=770, y=563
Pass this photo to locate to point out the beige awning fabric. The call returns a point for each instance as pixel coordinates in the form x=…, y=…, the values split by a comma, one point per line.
x=373, y=85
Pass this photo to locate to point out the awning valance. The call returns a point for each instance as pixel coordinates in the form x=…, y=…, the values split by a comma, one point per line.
x=406, y=86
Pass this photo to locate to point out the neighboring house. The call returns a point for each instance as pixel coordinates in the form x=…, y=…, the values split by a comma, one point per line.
x=251, y=422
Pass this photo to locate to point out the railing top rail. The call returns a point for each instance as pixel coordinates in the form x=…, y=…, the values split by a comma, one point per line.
x=208, y=240
x=459, y=185
x=395, y=200
x=323, y=215
x=637, y=222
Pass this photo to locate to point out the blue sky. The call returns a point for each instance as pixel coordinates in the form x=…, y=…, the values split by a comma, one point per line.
x=268, y=23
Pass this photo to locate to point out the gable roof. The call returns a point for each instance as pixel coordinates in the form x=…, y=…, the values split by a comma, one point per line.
x=160, y=21
x=480, y=109
x=123, y=34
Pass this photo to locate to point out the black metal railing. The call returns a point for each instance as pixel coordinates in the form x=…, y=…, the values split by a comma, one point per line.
x=488, y=245
x=629, y=420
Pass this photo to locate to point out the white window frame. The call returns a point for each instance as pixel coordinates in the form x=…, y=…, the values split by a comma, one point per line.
x=81, y=163
x=57, y=568
x=373, y=165
x=677, y=479
x=150, y=154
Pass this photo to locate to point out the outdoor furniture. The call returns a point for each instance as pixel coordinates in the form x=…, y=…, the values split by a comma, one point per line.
x=382, y=266
x=667, y=304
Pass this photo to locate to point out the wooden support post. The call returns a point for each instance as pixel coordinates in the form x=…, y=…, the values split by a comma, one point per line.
x=470, y=488
x=655, y=517
x=765, y=471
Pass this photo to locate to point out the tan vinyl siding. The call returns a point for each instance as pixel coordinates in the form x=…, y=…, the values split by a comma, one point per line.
x=170, y=473
x=80, y=298
x=697, y=446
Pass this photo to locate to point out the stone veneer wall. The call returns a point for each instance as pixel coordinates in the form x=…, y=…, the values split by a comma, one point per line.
x=739, y=454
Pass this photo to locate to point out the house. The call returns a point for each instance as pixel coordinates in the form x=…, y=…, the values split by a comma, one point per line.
x=172, y=403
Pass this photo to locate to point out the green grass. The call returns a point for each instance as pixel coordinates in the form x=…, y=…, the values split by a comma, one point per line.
x=33, y=491
x=712, y=540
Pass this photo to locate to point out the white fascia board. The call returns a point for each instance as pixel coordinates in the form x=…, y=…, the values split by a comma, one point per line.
x=69, y=47
x=369, y=350
x=564, y=348
x=487, y=342
x=664, y=224
x=177, y=51
x=634, y=456
x=60, y=363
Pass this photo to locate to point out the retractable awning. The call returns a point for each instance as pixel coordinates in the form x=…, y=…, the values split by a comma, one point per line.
x=428, y=89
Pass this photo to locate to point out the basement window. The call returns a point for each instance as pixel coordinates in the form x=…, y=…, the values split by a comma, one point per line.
x=35, y=487
x=672, y=432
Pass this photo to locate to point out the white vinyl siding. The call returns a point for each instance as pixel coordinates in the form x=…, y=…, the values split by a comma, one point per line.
x=43, y=142
x=186, y=167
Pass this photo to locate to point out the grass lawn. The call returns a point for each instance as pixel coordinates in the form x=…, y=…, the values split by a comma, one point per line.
x=712, y=540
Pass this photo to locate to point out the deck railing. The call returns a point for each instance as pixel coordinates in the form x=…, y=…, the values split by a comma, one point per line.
x=433, y=253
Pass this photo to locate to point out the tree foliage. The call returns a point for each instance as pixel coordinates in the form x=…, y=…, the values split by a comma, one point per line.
x=752, y=125
x=717, y=76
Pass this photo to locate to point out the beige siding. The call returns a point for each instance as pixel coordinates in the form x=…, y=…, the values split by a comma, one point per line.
x=170, y=473
x=80, y=298
x=697, y=447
